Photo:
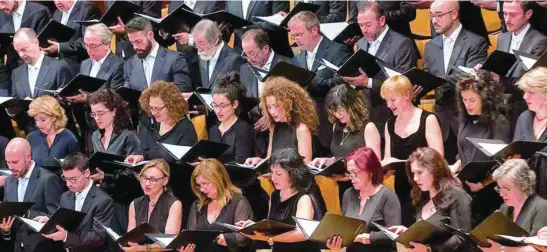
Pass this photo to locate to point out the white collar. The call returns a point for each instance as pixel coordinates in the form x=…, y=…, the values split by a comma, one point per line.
x=154, y=51
x=217, y=53
x=317, y=46
x=21, y=9
x=521, y=34
x=29, y=172
x=454, y=34
x=381, y=37
x=84, y=192
x=268, y=64
x=38, y=63
x=103, y=59
x=71, y=8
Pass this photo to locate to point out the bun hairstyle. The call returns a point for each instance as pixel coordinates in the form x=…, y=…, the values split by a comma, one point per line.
x=231, y=86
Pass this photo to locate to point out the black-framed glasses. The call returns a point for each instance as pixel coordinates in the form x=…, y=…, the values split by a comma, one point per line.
x=98, y=114
x=220, y=106
x=157, y=109
x=439, y=15
x=92, y=47
x=151, y=180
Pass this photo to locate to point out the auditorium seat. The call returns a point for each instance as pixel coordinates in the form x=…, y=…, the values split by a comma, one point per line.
x=493, y=37
x=329, y=191
x=200, y=126
x=421, y=25
x=491, y=20
x=266, y=185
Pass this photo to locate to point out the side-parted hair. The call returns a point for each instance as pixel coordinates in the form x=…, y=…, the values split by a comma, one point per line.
x=170, y=95
x=259, y=36
x=364, y=6
x=159, y=164
x=138, y=24
x=366, y=160
x=214, y=172
x=534, y=79
x=398, y=85
x=113, y=101
x=75, y=160
x=100, y=30
x=210, y=31
x=309, y=19
x=49, y=106
x=519, y=173
x=342, y=96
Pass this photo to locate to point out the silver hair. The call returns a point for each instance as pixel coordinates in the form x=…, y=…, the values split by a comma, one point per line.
x=519, y=173
x=209, y=29
x=100, y=30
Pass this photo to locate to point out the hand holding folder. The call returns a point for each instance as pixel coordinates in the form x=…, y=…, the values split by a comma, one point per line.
x=336, y=168
x=202, y=239
x=498, y=150
x=422, y=232
x=203, y=149
x=331, y=225
x=135, y=235
x=19, y=209
x=266, y=227
x=68, y=219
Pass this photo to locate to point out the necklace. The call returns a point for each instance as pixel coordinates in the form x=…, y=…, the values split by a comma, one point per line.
x=344, y=138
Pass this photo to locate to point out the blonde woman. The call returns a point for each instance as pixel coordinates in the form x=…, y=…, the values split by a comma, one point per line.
x=158, y=207
x=51, y=139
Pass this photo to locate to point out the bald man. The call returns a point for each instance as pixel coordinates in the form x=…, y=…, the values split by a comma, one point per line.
x=29, y=183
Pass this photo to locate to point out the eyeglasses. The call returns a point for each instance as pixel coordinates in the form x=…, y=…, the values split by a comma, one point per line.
x=337, y=111
x=151, y=180
x=220, y=106
x=98, y=114
x=203, y=185
x=295, y=36
x=503, y=188
x=252, y=55
x=353, y=175
x=71, y=180
x=156, y=109
x=91, y=46
x=439, y=15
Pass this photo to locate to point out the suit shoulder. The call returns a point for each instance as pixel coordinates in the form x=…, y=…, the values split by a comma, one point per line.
x=400, y=39
x=117, y=60
x=46, y=174
x=474, y=38
x=36, y=7
x=101, y=195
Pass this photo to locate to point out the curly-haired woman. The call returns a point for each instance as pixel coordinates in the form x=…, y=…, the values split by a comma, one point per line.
x=292, y=117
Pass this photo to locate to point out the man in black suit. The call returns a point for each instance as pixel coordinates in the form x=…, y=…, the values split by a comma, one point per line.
x=305, y=30
x=152, y=61
x=84, y=197
x=398, y=15
x=73, y=51
x=29, y=183
x=215, y=57
x=456, y=46
x=393, y=48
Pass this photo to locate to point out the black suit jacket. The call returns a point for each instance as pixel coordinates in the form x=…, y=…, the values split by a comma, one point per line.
x=330, y=11
x=169, y=66
x=228, y=61
x=249, y=78
x=111, y=70
x=53, y=74
x=398, y=14
x=534, y=42
x=90, y=236
x=73, y=52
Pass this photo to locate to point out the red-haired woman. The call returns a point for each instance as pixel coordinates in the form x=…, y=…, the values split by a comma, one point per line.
x=368, y=200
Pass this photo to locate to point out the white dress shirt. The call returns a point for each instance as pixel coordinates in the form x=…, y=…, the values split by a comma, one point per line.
x=245, y=7
x=79, y=197
x=66, y=15
x=148, y=64
x=516, y=40
x=214, y=60
x=448, y=46
x=22, y=184
x=18, y=16
x=96, y=66
x=33, y=71
x=190, y=3
x=266, y=68
x=373, y=49
x=310, y=56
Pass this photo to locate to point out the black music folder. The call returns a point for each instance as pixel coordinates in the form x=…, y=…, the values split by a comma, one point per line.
x=129, y=95
x=201, y=96
x=111, y=166
x=203, y=148
x=393, y=164
x=331, y=225
x=123, y=9
x=421, y=232
x=240, y=171
x=5, y=172
x=531, y=61
x=418, y=77
x=6, y=39
x=55, y=31
x=101, y=159
x=496, y=224
x=81, y=82
x=340, y=31
x=201, y=238
x=497, y=149
x=66, y=218
x=360, y=59
x=10, y=102
x=136, y=235
x=283, y=21
x=338, y=167
x=14, y=208
x=499, y=62
x=291, y=72
x=476, y=171
x=268, y=227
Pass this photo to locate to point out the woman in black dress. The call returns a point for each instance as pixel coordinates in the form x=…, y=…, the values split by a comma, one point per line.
x=480, y=105
x=409, y=129
x=516, y=185
x=295, y=195
x=368, y=200
x=218, y=201
x=114, y=136
x=292, y=117
x=438, y=198
x=158, y=207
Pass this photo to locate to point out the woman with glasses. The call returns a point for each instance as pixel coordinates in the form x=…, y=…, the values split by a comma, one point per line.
x=292, y=117
x=516, y=185
x=296, y=194
x=438, y=197
x=409, y=129
x=368, y=200
x=114, y=136
x=52, y=139
x=158, y=207
x=218, y=201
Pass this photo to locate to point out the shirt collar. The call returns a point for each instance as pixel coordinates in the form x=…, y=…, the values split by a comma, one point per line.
x=38, y=63
x=521, y=34
x=84, y=192
x=154, y=51
x=29, y=172
x=454, y=34
x=71, y=8
x=316, y=47
x=268, y=64
x=21, y=9
x=381, y=37
x=217, y=53
x=104, y=58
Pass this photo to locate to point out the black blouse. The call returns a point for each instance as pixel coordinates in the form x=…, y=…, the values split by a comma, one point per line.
x=237, y=209
x=532, y=216
x=160, y=213
x=500, y=130
x=240, y=139
x=183, y=134
x=343, y=143
x=284, y=136
x=64, y=143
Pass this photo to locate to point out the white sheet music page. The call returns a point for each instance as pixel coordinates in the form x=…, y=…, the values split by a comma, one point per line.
x=330, y=65
x=177, y=150
x=492, y=148
x=274, y=19
x=153, y=19
x=332, y=30
x=528, y=62
x=5, y=99
x=307, y=226
x=37, y=226
x=111, y=232
x=390, y=72
x=165, y=240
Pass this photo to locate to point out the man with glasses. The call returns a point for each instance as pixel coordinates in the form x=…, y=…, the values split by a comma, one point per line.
x=304, y=28
x=456, y=46
x=28, y=183
x=83, y=196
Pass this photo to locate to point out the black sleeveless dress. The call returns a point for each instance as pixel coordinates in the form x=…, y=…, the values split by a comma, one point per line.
x=401, y=148
x=284, y=136
x=160, y=213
